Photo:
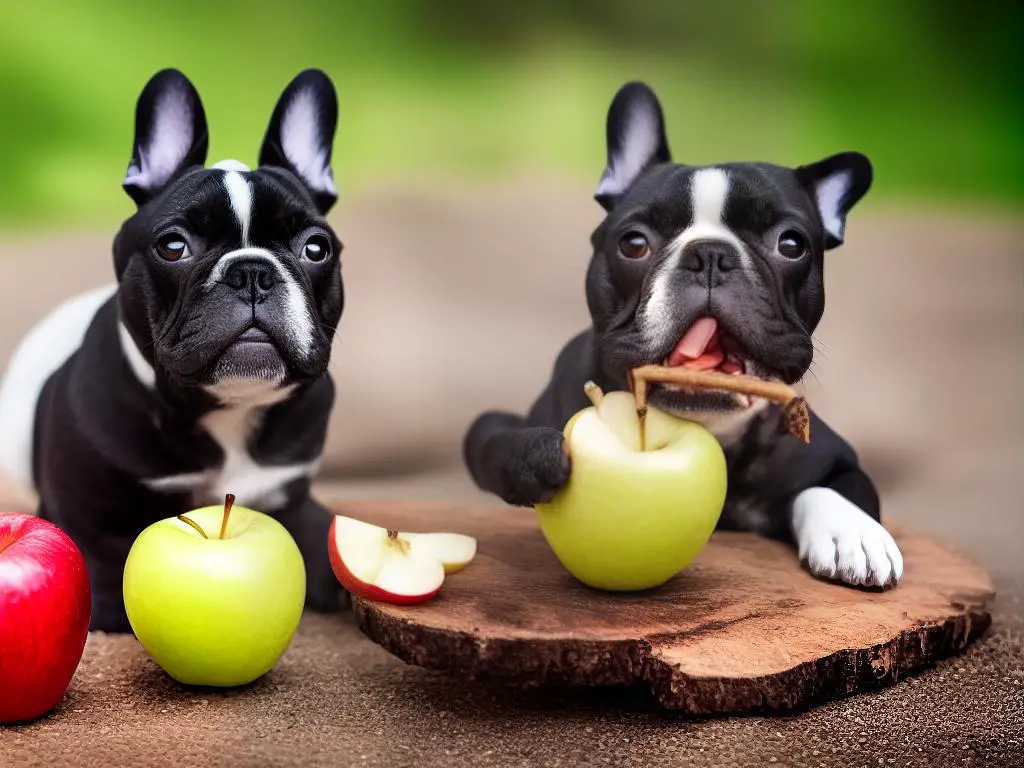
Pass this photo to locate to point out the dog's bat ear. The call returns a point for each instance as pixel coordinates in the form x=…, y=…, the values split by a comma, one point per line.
x=170, y=134
x=836, y=184
x=301, y=134
x=636, y=140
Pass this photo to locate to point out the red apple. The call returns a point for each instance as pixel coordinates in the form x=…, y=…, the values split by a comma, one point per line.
x=45, y=604
x=393, y=566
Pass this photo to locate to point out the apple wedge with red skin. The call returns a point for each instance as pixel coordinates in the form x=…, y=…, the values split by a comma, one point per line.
x=392, y=566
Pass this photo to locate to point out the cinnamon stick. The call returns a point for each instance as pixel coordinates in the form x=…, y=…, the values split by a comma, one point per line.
x=794, y=407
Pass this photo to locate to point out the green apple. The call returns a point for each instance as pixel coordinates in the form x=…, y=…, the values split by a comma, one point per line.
x=635, y=512
x=215, y=595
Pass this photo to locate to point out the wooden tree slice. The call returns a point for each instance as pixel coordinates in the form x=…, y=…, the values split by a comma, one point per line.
x=743, y=629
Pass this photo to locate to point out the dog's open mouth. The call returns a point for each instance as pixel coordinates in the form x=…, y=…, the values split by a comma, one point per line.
x=707, y=346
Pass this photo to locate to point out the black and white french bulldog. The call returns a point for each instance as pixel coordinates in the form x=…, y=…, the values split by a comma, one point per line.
x=203, y=370
x=722, y=264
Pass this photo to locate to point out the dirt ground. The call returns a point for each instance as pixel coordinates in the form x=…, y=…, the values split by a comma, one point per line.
x=455, y=305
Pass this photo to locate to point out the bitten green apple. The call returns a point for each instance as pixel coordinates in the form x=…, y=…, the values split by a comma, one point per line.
x=632, y=516
x=215, y=595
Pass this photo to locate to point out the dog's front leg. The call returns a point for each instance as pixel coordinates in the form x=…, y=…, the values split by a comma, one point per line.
x=108, y=611
x=523, y=465
x=523, y=460
x=105, y=556
x=308, y=523
x=839, y=536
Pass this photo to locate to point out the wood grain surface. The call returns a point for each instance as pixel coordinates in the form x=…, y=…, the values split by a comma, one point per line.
x=743, y=629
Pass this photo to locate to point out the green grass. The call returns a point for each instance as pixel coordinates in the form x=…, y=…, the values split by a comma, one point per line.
x=465, y=90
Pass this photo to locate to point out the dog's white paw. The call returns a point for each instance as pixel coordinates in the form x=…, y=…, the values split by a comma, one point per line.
x=838, y=540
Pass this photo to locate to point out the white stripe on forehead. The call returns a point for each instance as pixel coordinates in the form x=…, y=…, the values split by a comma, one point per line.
x=708, y=190
x=240, y=197
x=709, y=193
x=231, y=165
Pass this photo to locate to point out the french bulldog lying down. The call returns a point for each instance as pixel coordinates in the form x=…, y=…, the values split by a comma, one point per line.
x=717, y=267
x=203, y=370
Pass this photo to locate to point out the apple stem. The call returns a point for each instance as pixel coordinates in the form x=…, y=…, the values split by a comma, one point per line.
x=229, y=501
x=194, y=524
x=594, y=392
x=392, y=534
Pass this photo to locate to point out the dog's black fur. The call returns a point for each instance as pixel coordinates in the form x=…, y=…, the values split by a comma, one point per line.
x=254, y=336
x=768, y=302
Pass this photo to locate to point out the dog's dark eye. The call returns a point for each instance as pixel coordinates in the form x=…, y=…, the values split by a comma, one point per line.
x=317, y=248
x=792, y=244
x=172, y=248
x=634, y=246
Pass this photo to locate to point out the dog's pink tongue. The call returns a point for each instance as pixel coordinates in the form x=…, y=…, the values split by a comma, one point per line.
x=695, y=340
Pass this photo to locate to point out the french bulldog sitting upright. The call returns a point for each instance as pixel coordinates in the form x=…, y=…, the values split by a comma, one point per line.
x=203, y=370
x=723, y=264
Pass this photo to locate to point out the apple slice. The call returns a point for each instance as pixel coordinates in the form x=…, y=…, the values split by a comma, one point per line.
x=393, y=566
x=454, y=550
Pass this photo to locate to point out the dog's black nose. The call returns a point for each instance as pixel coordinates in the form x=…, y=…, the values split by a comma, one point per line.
x=251, y=276
x=712, y=258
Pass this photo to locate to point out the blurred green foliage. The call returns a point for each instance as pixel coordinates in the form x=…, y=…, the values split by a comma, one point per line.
x=463, y=89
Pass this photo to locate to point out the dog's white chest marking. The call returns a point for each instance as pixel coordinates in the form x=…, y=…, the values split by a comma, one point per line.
x=838, y=540
x=253, y=484
x=728, y=427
